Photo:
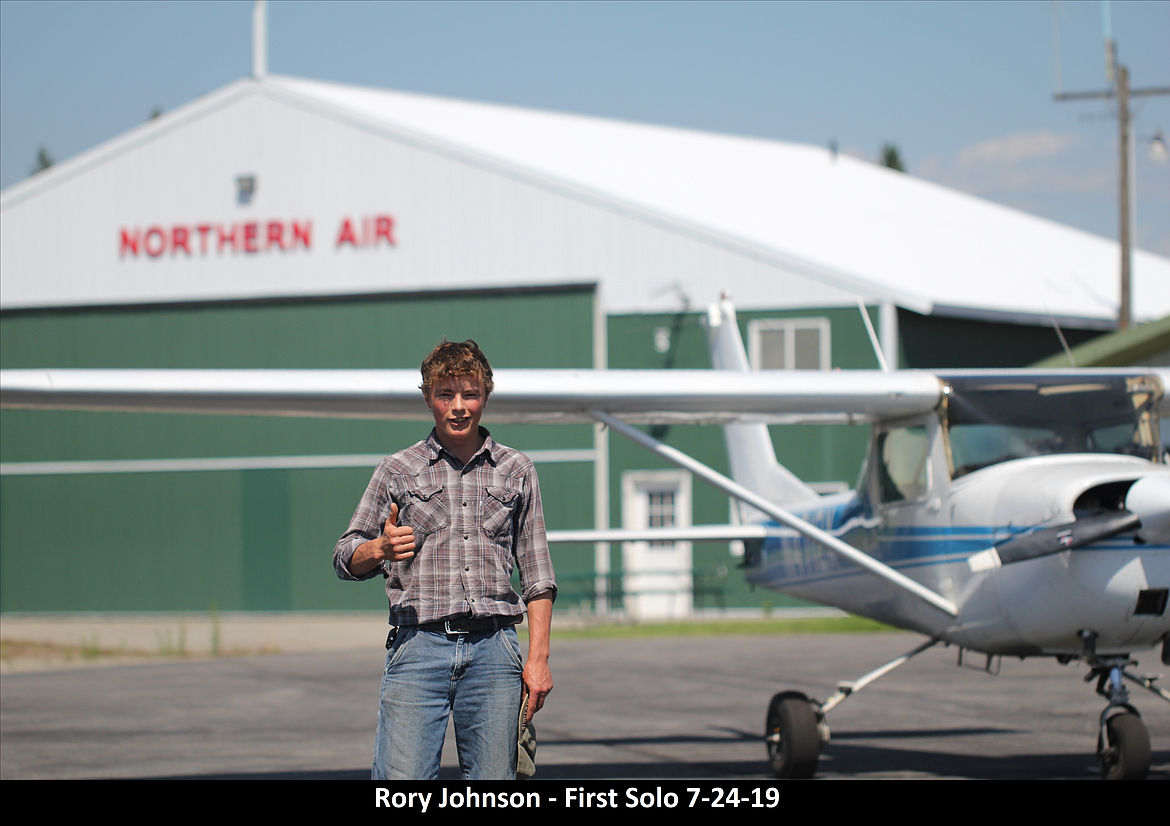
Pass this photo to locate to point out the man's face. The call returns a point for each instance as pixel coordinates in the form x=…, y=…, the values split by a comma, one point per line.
x=457, y=405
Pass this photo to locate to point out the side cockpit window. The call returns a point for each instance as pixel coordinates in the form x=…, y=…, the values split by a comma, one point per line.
x=903, y=469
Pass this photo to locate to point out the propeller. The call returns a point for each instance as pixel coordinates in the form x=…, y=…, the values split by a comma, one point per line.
x=1146, y=512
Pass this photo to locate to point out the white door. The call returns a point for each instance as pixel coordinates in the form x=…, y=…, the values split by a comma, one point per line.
x=658, y=575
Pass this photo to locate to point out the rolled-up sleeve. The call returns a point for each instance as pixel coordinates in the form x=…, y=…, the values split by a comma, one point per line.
x=365, y=525
x=531, y=544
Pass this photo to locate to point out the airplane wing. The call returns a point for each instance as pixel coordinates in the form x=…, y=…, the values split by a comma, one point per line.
x=551, y=396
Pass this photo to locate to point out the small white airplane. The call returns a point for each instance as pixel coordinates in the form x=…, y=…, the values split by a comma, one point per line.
x=1008, y=513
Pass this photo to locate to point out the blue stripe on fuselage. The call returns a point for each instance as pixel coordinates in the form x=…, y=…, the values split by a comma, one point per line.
x=793, y=560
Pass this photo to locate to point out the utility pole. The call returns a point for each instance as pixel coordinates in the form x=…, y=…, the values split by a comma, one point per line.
x=1118, y=75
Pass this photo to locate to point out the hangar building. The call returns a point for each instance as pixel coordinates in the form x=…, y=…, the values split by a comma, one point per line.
x=289, y=223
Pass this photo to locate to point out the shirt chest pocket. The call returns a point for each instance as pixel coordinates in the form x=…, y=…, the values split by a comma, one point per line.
x=426, y=509
x=499, y=509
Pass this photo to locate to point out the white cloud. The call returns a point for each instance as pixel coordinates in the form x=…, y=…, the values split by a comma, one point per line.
x=1067, y=177
x=1015, y=148
x=1025, y=164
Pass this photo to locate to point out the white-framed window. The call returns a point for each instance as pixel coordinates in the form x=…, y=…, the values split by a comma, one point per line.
x=656, y=499
x=789, y=344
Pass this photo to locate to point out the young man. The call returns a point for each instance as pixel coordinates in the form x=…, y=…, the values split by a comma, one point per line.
x=445, y=521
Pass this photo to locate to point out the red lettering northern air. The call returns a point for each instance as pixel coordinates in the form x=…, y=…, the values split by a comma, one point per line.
x=200, y=240
x=249, y=237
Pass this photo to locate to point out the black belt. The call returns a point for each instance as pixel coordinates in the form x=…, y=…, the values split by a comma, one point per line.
x=468, y=625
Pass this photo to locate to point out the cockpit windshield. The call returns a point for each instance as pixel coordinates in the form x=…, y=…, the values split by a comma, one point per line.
x=993, y=419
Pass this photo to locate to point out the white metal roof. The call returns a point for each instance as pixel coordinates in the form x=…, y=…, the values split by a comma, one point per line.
x=841, y=225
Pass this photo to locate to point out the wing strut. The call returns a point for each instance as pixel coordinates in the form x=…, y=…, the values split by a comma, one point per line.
x=807, y=529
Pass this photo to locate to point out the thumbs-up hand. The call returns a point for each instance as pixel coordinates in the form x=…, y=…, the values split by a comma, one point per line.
x=397, y=543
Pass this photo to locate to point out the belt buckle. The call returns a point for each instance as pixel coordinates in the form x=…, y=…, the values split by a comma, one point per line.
x=453, y=632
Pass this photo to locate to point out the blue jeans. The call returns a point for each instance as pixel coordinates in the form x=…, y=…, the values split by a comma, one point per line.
x=431, y=676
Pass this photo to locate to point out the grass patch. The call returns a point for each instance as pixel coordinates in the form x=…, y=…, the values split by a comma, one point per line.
x=711, y=628
x=89, y=650
x=14, y=652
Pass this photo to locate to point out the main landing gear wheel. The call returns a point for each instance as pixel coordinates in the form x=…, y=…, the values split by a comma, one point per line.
x=1127, y=756
x=796, y=730
x=794, y=741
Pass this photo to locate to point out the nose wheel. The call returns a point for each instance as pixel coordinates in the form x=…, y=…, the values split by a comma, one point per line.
x=1123, y=744
x=1126, y=752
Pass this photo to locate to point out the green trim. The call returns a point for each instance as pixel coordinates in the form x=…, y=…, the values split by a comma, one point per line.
x=1124, y=348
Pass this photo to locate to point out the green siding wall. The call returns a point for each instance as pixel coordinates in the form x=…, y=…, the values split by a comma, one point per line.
x=516, y=329
x=248, y=539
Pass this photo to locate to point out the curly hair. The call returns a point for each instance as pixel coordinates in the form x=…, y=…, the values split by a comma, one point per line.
x=452, y=359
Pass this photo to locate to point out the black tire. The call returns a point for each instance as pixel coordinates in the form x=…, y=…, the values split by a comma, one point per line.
x=794, y=743
x=1128, y=755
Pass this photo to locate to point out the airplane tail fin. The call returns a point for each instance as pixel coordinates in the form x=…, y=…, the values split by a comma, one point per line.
x=749, y=446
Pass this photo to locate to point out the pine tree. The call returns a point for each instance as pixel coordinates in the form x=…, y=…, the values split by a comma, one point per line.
x=892, y=158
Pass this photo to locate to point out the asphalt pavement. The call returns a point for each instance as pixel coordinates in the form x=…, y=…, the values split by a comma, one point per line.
x=679, y=707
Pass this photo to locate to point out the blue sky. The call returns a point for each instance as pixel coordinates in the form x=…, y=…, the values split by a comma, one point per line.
x=963, y=89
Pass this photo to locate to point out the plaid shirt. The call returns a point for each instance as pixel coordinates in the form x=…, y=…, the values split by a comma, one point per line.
x=470, y=523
